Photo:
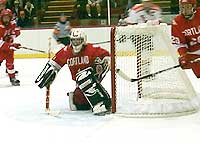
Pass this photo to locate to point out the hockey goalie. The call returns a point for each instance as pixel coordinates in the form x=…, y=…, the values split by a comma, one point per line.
x=88, y=65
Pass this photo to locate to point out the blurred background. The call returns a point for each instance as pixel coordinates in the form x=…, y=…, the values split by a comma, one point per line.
x=46, y=13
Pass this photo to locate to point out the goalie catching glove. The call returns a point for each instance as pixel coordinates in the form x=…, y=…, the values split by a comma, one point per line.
x=187, y=60
x=48, y=74
x=101, y=67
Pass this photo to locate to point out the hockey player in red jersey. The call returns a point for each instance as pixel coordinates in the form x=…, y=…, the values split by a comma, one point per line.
x=88, y=65
x=186, y=35
x=8, y=32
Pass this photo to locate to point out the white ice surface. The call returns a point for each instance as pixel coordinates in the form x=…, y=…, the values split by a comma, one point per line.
x=23, y=118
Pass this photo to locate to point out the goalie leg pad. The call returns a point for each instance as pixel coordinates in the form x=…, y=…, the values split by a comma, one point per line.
x=94, y=92
x=48, y=74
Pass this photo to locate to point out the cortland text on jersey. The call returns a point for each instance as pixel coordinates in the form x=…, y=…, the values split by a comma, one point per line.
x=78, y=61
x=192, y=31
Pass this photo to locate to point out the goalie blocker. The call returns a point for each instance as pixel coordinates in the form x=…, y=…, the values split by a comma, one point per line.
x=48, y=74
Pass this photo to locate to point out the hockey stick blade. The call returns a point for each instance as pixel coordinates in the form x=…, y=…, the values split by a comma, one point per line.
x=53, y=113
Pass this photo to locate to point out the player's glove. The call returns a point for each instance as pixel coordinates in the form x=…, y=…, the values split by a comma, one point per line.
x=17, y=32
x=14, y=46
x=8, y=39
x=10, y=46
x=187, y=60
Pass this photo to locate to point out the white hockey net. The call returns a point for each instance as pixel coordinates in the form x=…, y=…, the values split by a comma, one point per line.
x=139, y=50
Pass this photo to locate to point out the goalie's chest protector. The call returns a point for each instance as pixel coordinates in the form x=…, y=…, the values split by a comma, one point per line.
x=81, y=61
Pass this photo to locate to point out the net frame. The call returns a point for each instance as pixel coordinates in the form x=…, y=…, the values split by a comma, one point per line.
x=184, y=107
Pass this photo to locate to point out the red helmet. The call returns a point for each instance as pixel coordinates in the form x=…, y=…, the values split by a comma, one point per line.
x=189, y=10
x=6, y=12
x=2, y=1
x=193, y=2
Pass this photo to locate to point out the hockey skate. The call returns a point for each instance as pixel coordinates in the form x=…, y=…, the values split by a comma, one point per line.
x=14, y=81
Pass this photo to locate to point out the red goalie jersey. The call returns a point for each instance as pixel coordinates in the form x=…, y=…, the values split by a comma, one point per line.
x=186, y=36
x=82, y=60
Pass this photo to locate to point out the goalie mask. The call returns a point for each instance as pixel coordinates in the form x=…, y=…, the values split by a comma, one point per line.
x=78, y=40
x=187, y=8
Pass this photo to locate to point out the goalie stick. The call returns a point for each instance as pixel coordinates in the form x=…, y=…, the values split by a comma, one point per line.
x=47, y=105
x=103, y=42
x=126, y=77
x=48, y=87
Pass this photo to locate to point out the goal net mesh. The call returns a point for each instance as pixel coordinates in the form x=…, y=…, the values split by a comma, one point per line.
x=139, y=50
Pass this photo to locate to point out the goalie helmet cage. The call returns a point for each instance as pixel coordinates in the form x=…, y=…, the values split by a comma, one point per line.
x=139, y=50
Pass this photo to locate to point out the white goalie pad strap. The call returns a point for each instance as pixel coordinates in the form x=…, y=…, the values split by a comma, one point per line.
x=99, y=108
x=1, y=43
x=72, y=106
x=54, y=64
